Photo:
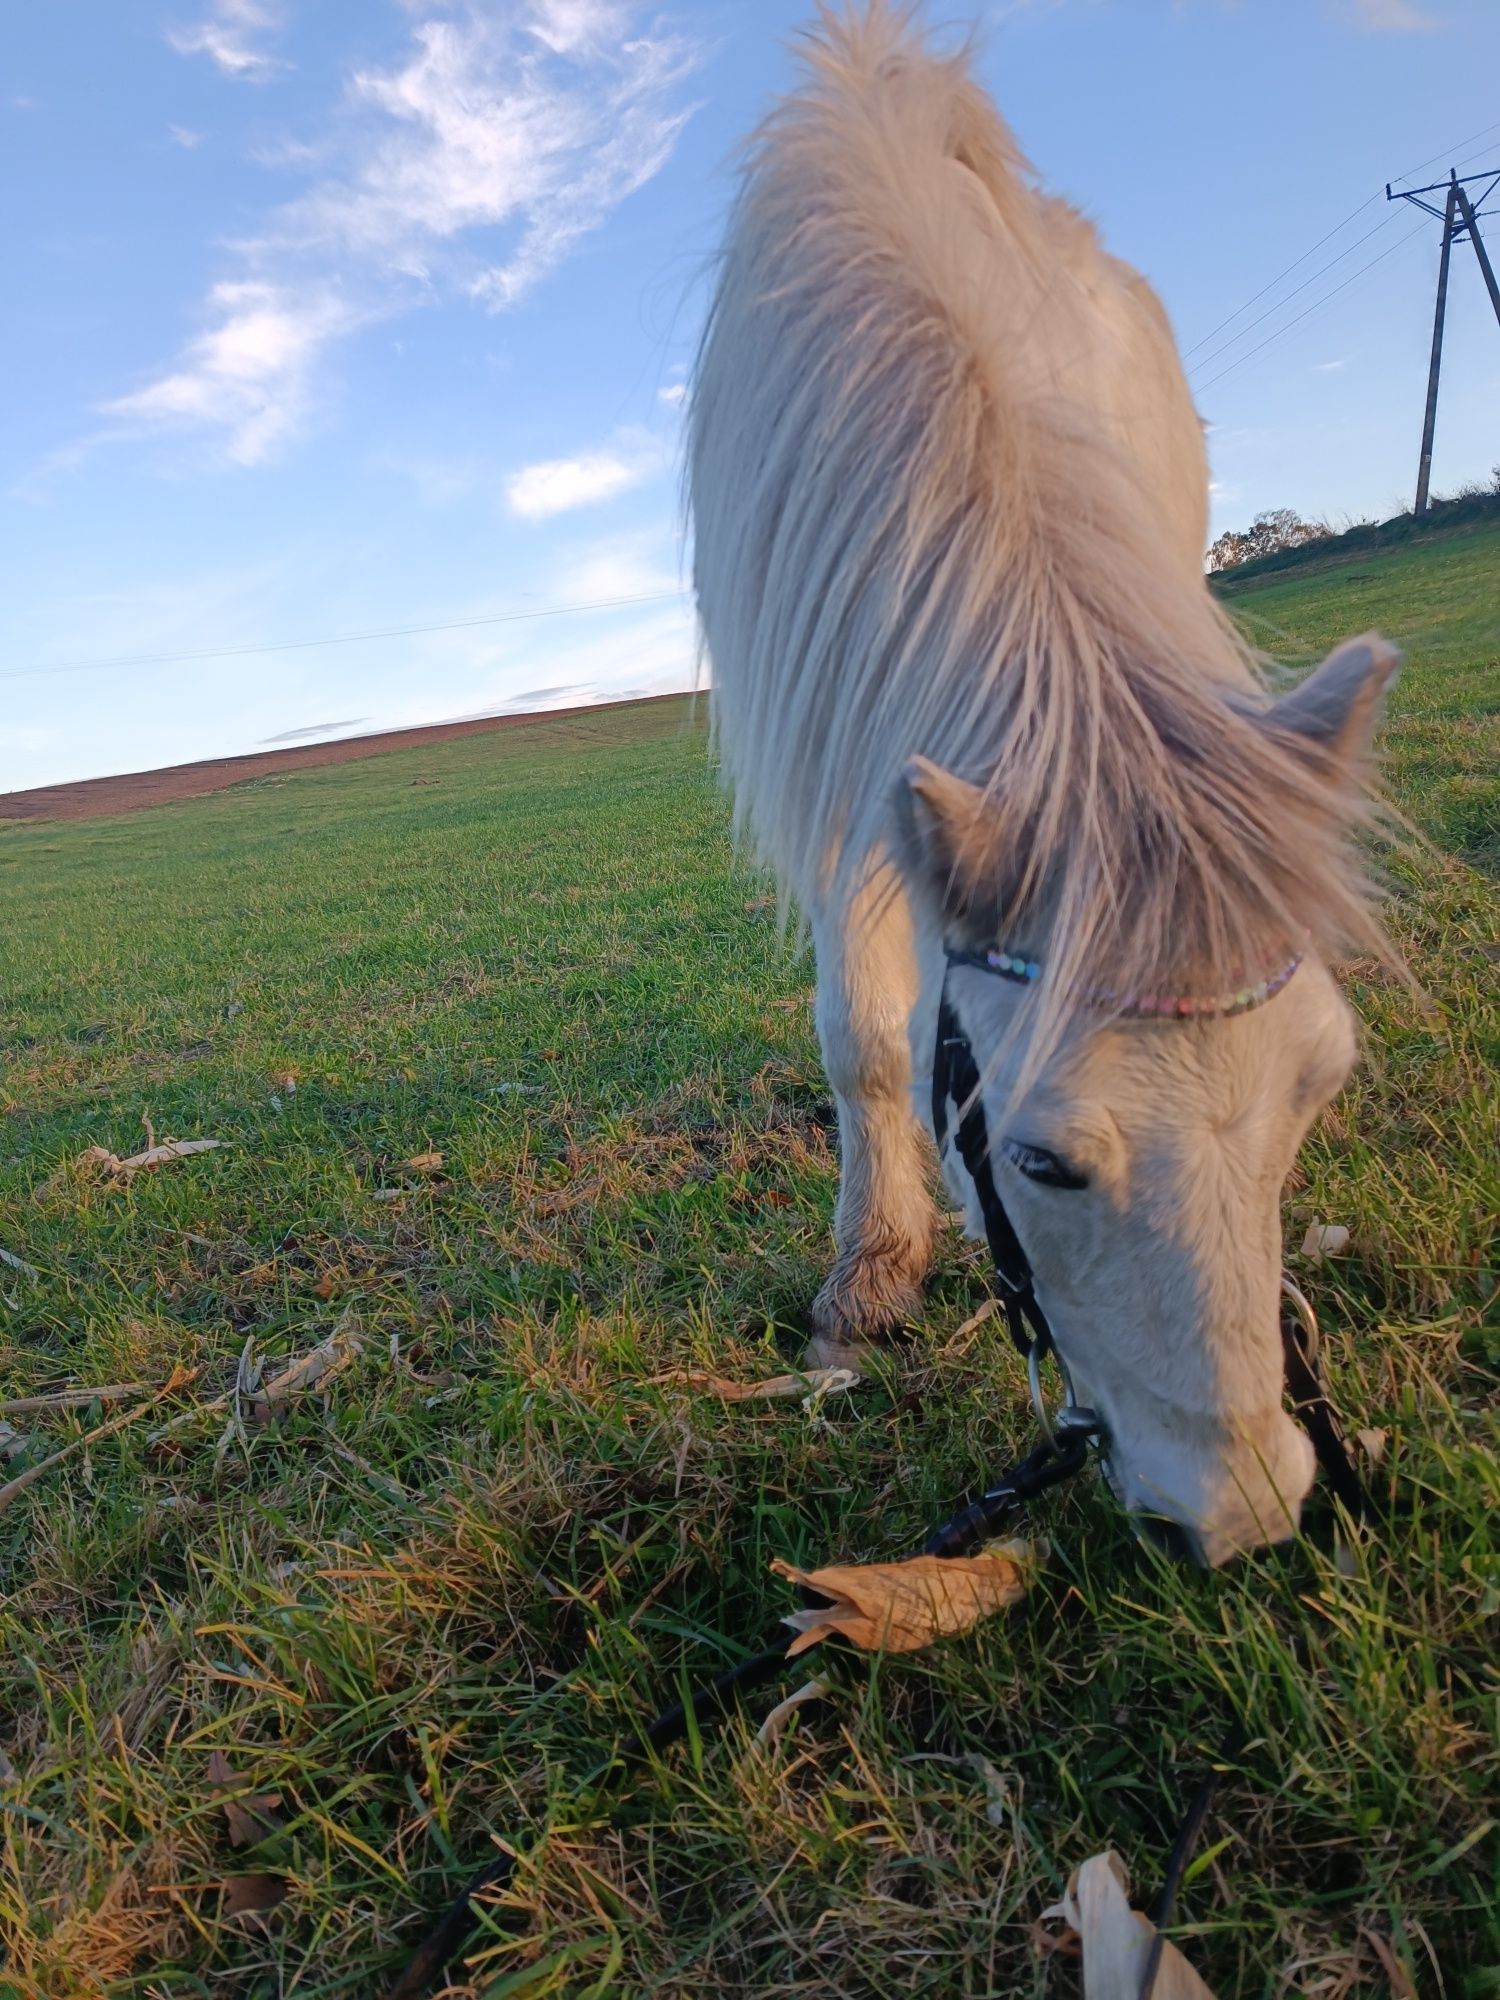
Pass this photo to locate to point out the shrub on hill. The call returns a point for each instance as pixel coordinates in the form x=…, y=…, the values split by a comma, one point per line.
x=1267, y=535
x=1286, y=541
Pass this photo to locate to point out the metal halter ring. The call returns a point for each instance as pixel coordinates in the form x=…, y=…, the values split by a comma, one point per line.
x=1312, y=1341
x=1073, y=1417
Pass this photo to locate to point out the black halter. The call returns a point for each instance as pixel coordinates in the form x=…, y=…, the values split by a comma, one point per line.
x=955, y=1076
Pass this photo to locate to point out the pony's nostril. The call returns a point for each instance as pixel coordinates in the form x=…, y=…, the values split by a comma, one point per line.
x=1170, y=1537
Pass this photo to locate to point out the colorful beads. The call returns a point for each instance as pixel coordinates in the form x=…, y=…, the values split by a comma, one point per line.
x=1013, y=967
x=1153, y=1006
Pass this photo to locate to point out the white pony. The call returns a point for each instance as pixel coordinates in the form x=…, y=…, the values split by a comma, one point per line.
x=972, y=693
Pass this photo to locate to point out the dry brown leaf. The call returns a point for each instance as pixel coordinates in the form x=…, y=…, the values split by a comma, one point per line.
x=423, y=1163
x=777, y=1718
x=813, y=1381
x=250, y=1819
x=247, y=1895
x=1372, y=1443
x=977, y=1319
x=1325, y=1239
x=154, y=1156
x=1115, y=1941
x=308, y=1371
x=67, y=1399
x=179, y=1379
x=1400, y=1978
x=903, y=1606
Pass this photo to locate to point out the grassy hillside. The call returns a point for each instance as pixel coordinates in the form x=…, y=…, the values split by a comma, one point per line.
x=411, y=1608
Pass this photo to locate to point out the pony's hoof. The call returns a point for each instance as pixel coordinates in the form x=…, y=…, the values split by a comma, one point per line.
x=858, y=1310
x=829, y=1350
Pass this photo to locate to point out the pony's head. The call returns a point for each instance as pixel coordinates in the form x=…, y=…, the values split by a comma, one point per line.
x=1146, y=1094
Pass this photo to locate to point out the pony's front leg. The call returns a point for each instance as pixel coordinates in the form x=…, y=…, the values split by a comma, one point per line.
x=886, y=1223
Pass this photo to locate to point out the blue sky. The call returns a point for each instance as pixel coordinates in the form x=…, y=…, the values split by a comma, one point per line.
x=328, y=317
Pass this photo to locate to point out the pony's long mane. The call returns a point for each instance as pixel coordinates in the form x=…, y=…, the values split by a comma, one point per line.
x=913, y=536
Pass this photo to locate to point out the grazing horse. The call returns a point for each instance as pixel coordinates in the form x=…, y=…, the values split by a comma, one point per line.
x=982, y=715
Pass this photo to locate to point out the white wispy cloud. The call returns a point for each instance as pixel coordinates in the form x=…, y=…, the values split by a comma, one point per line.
x=248, y=374
x=557, y=485
x=672, y=394
x=311, y=729
x=542, y=119
x=233, y=35
x=639, y=564
x=1329, y=367
x=181, y=136
x=528, y=125
x=1401, y=17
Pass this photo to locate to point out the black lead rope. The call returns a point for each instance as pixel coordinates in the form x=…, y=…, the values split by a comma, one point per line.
x=1317, y=1416
x=955, y=1076
x=975, y=1522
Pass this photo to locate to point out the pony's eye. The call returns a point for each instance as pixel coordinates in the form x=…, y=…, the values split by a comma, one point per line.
x=1040, y=1166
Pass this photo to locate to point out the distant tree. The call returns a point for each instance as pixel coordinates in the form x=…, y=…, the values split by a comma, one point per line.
x=1277, y=528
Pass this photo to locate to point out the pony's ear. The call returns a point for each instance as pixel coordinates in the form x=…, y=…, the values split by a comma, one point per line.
x=1336, y=709
x=950, y=831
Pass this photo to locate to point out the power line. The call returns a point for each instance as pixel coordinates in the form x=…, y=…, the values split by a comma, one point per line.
x=339, y=639
x=1283, y=274
x=1322, y=271
x=1447, y=152
x=1460, y=219
x=1199, y=387
x=1297, y=263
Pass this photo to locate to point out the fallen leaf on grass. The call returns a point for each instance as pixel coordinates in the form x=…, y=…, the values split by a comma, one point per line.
x=115, y=1168
x=67, y=1399
x=777, y=1718
x=813, y=1382
x=1398, y=1975
x=903, y=1606
x=423, y=1163
x=179, y=1379
x=252, y=1895
x=308, y=1371
x=977, y=1319
x=249, y=1820
x=1116, y=1941
x=19, y=1264
x=1372, y=1443
x=12, y=1444
x=1325, y=1239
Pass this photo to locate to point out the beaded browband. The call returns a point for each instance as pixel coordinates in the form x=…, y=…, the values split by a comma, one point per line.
x=1137, y=1006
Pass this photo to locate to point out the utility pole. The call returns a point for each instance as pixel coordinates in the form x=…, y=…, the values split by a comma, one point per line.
x=1460, y=219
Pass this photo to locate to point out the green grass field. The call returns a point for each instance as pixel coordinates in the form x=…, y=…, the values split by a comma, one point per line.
x=414, y=1607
